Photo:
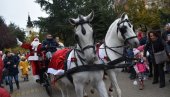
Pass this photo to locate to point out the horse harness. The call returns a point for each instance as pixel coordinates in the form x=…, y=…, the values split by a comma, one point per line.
x=95, y=67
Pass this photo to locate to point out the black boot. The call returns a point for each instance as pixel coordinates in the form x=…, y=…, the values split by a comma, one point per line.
x=11, y=91
x=27, y=78
x=17, y=83
x=6, y=83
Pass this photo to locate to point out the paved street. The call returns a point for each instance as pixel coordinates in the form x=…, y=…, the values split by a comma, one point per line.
x=32, y=89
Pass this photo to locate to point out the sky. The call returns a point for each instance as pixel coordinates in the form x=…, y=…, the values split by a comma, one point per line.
x=16, y=11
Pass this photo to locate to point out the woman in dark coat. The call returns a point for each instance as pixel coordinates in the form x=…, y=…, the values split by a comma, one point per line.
x=157, y=44
x=11, y=65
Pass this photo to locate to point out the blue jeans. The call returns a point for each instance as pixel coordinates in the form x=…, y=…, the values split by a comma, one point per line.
x=10, y=78
x=6, y=80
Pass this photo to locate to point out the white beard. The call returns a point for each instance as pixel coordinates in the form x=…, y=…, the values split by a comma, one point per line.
x=34, y=45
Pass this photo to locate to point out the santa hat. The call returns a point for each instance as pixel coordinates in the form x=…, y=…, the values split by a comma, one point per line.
x=141, y=48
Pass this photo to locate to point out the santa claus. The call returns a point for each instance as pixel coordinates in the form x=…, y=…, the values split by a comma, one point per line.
x=35, y=56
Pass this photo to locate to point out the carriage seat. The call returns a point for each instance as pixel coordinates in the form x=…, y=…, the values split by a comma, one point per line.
x=56, y=66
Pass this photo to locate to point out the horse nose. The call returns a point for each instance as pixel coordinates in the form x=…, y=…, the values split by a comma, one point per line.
x=91, y=58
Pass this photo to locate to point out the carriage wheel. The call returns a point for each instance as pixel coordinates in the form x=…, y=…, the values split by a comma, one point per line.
x=47, y=85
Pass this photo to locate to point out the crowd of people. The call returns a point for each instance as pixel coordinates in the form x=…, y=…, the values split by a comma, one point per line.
x=11, y=63
x=151, y=42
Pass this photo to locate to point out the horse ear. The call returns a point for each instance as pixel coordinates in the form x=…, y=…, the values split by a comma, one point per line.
x=123, y=16
x=72, y=21
x=90, y=16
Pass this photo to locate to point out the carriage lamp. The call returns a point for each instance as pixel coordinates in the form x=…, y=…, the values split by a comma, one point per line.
x=73, y=59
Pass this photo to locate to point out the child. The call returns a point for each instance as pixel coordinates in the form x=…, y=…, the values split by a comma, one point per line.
x=140, y=67
x=24, y=67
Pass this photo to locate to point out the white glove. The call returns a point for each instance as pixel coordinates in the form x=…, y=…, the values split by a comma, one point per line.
x=19, y=42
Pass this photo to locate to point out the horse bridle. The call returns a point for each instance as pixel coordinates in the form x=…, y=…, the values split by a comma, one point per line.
x=122, y=30
x=122, y=33
x=81, y=22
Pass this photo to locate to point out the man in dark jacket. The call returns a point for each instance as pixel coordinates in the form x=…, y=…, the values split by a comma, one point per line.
x=49, y=45
x=11, y=65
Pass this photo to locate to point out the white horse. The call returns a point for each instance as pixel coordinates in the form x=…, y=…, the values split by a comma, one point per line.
x=84, y=54
x=118, y=35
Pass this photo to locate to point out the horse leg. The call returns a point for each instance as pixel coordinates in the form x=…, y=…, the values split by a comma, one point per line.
x=101, y=88
x=62, y=88
x=62, y=91
x=114, y=82
x=79, y=88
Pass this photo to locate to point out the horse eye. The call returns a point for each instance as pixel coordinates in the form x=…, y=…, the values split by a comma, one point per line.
x=76, y=37
x=123, y=29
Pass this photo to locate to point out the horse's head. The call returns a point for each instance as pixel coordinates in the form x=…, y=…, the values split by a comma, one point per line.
x=125, y=31
x=84, y=35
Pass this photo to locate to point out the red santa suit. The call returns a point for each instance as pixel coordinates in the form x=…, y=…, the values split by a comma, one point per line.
x=4, y=92
x=34, y=56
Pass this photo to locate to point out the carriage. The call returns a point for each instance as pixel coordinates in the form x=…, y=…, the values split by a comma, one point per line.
x=83, y=64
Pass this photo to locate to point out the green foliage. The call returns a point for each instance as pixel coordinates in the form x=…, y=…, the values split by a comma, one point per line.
x=7, y=39
x=142, y=16
x=60, y=10
x=16, y=31
x=151, y=17
x=165, y=12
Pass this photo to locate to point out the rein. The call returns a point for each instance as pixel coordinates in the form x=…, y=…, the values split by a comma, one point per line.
x=118, y=60
x=94, y=67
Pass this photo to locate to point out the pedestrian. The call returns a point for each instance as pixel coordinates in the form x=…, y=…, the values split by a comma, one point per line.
x=4, y=92
x=157, y=44
x=11, y=65
x=166, y=37
x=130, y=54
x=1, y=68
x=34, y=56
x=24, y=67
x=140, y=67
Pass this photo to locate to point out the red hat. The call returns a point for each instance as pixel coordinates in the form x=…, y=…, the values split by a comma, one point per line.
x=141, y=48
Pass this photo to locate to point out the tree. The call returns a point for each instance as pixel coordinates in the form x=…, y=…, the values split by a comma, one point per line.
x=142, y=16
x=7, y=40
x=60, y=10
x=165, y=12
x=16, y=31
